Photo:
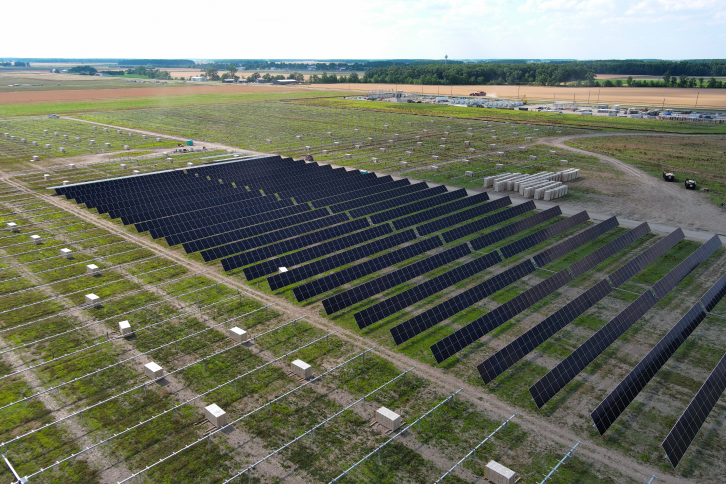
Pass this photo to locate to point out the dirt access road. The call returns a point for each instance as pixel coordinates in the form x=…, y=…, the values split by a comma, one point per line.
x=640, y=196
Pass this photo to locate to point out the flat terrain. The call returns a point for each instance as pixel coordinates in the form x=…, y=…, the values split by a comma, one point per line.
x=708, y=98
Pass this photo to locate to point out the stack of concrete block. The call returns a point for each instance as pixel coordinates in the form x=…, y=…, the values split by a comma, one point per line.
x=532, y=180
x=568, y=175
x=539, y=193
x=494, y=179
x=557, y=192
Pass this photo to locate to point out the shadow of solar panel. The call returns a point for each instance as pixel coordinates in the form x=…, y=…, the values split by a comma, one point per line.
x=583, y=265
x=310, y=253
x=715, y=294
x=306, y=271
x=687, y=427
x=271, y=237
x=418, y=206
x=398, y=201
x=519, y=246
x=567, y=246
x=371, y=288
x=428, y=288
x=337, y=279
x=548, y=386
x=298, y=243
x=671, y=280
x=505, y=358
x=513, y=229
x=345, y=205
x=435, y=212
x=646, y=258
x=430, y=318
x=294, y=224
x=467, y=335
x=618, y=400
x=463, y=216
x=481, y=224
x=362, y=193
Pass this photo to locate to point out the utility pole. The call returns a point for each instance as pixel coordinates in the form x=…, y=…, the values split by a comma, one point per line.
x=697, y=99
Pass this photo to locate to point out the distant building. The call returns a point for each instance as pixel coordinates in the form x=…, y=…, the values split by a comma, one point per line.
x=285, y=82
x=102, y=74
x=198, y=79
x=312, y=68
x=261, y=81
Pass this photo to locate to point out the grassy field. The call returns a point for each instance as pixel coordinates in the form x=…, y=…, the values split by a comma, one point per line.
x=703, y=159
x=562, y=120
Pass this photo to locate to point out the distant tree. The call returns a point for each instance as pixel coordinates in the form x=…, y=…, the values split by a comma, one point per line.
x=630, y=81
x=700, y=82
x=267, y=77
x=711, y=83
x=353, y=77
x=683, y=80
x=608, y=83
x=83, y=70
x=667, y=78
x=19, y=64
x=212, y=73
x=232, y=69
x=618, y=83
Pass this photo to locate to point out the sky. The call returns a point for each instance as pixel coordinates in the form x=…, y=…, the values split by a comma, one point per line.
x=366, y=29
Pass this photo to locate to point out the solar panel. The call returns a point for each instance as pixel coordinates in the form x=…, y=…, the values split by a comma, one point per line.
x=497, y=218
x=398, y=201
x=428, y=288
x=519, y=246
x=271, y=237
x=671, y=280
x=345, y=205
x=646, y=258
x=297, y=243
x=393, y=279
x=567, y=246
x=618, y=400
x=715, y=294
x=306, y=271
x=467, y=335
x=463, y=216
x=435, y=212
x=505, y=358
x=513, y=229
x=363, y=192
x=314, y=252
x=418, y=206
x=337, y=279
x=455, y=304
x=548, y=386
x=693, y=418
x=608, y=250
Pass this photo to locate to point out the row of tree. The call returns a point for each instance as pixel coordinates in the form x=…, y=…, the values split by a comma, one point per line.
x=15, y=64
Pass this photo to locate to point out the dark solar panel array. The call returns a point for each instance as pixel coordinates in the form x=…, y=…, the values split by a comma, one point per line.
x=715, y=294
x=505, y=358
x=397, y=202
x=297, y=243
x=578, y=360
x=455, y=304
x=418, y=206
x=462, y=216
x=693, y=418
x=671, y=280
x=271, y=237
x=179, y=234
x=467, y=335
x=435, y=212
x=646, y=258
x=293, y=225
x=337, y=279
x=306, y=271
x=519, y=246
x=563, y=248
x=393, y=279
x=314, y=252
x=347, y=204
x=608, y=250
x=387, y=188
x=497, y=218
x=618, y=400
x=513, y=229
x=418, y=293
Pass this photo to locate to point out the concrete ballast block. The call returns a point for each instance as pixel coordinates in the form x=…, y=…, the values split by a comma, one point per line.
x=124, y=328
x=153, y=371
x=389, y=419
x=93, y=300
x=301, y=369
x=238, y=334
x=216, y=415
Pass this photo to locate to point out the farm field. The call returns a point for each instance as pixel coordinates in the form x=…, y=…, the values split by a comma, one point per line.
x=674, y=97
x=185, y=260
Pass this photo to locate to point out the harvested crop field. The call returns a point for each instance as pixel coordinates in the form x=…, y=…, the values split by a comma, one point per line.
x=708, y=98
